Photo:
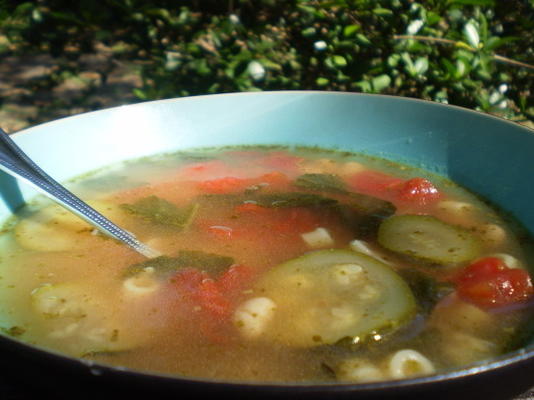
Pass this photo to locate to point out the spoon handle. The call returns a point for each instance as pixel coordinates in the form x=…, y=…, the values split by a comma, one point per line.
x=16, y=163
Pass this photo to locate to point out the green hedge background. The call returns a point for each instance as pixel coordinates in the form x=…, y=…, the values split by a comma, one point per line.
x=472, y=53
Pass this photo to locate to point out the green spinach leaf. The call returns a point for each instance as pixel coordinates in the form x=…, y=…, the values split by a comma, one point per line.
x=162, y=212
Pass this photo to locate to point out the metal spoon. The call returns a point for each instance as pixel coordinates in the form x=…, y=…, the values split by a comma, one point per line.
x=16, y=163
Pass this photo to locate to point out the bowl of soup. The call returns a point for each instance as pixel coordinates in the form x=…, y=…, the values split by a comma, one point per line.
x=317, y=245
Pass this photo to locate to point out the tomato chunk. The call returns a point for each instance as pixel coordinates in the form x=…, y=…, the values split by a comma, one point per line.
x=235, y=280
x=374, y=183
x=419, y=191
x=415, y=191
x=224, y=185
x=210, y=302
x=489, y=283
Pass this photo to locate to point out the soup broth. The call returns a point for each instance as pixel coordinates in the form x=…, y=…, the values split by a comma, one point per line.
x=278, y=265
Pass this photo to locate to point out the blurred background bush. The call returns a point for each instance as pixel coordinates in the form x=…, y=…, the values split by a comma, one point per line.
x=61, y=57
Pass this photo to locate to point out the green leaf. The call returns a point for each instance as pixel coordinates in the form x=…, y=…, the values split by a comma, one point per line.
x=162, y=212
x=471, y=34
x=362, y=39
x=382, y=12
x=321, y=182
x=495, y=42
x=381, y=82
x=472, y=2
x=308, y=32
x=365, y=86
x=339, y=61
x=432, y=18
x=421, y=65
x=140, y=94
x=306, y=9
x=462, y=68
x=351, y=30
x=393, y=60
x=451, y=69
x=322, y=81
x=164, y=266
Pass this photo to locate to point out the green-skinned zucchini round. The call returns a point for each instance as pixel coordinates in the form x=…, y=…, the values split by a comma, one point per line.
x=326, y=296
x=428, y=238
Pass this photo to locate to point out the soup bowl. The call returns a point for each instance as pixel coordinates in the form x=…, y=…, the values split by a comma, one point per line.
x=488, y=155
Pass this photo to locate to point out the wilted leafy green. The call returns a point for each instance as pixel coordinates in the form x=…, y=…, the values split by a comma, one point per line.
x=321, y=182
x=294, y=199
x=162, y=212
x=164, y=266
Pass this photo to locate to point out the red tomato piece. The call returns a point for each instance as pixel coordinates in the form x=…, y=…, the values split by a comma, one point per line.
x=236, y=279
x=489, y=283
x=296, y=220
x=274, y=179
x=374, y=183
x=203, y=169
x=251, y=208
x=419, y=191
x=208, y=306
x=224, y=185
x=211, y=299
x=188, y=280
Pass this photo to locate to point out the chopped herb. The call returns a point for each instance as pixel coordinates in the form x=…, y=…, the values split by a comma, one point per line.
x=14, y=331
x=163, y=212
x=321, y=182
x=164, y=266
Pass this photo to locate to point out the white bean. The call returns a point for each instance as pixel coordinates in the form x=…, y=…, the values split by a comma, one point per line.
x=352, y=167
x=458, y=212
x=142, y=284
x=253, y=315
x=318, y=238
x=407, y=363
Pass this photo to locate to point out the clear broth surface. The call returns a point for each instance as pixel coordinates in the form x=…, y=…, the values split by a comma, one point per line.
x=66, y=287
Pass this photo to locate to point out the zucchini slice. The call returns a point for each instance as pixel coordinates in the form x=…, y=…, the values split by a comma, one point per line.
x=80, y=320
x=326, y=296
x=56, y=229
x=427, y=238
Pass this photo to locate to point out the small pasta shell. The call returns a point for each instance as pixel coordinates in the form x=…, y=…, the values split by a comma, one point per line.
x=409, y=363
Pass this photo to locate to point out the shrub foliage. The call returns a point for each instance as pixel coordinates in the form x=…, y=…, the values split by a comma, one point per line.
x=472, y=53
